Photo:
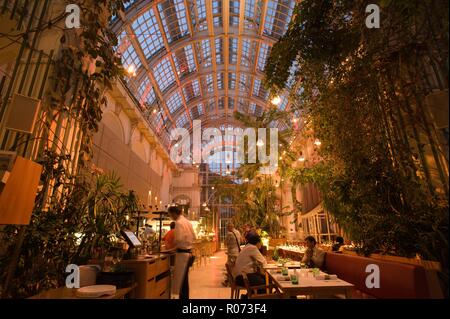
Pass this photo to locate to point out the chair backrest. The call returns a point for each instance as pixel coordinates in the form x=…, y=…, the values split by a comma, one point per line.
x=229, y=272
x=247, y=285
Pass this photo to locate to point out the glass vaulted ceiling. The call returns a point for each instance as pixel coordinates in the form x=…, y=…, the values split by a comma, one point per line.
x=199, y=59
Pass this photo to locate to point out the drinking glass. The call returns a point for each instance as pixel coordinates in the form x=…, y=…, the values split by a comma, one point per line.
x=294, y=279
x=108, y=262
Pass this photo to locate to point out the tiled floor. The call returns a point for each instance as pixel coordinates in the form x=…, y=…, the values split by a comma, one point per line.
x=205, y=281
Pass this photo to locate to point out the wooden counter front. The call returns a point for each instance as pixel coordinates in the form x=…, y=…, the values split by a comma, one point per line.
x=152, y=276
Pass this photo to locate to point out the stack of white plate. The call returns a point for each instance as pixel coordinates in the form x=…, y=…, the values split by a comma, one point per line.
x=96, y=291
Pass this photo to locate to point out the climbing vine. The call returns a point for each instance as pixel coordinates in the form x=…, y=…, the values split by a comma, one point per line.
x=384, y=173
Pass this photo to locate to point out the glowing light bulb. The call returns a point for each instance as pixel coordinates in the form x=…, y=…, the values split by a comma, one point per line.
x=260, y=143
x=276, y=100
x=131, y=70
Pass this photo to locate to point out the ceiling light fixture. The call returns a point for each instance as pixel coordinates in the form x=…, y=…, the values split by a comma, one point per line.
x=131, y=70
x=276, y=100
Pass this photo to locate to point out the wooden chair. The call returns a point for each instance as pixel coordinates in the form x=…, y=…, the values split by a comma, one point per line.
x=252, y=291
x=235, y=289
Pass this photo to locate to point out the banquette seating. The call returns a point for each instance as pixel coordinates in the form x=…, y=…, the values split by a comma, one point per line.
x=397, y=280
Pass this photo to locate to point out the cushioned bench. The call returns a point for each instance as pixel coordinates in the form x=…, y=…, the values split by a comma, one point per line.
x=397, y=280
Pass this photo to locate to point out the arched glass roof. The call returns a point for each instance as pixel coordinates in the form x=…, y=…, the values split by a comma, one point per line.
x=200, y=59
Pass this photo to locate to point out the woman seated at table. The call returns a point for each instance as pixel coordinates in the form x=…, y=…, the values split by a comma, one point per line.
x=313, y=257
x=248, y=261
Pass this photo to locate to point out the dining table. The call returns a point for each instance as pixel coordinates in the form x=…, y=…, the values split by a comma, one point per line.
x=310, y=283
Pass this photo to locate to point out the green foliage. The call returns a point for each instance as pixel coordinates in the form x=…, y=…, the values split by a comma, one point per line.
x=69, y=204
x=362, y=95
x=95, y=209
x=84, y=70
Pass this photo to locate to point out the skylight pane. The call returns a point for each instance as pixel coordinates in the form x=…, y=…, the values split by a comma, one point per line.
x=191, y=90
x=231, y=81
x=175, y=102
x=219, y=50
x=198, y=15
x=182, y=120
x=221, y=103
x=233, y=50
x=209, y=83
x=220, y=81
x=244, y=84
x=278, y=16
x=259, y=91
x=248, y=49
x=173, y=16
x=184, y=61
x=262, y=57
x=148, y=34
x=164, y=74
x=283, y=103
x=205, y=48
x=130, y=57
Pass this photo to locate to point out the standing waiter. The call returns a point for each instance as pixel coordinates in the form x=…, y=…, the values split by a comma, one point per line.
x=184, y=237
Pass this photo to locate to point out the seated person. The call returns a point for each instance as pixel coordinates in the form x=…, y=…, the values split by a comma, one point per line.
x=313, y=257
x=338, y=246
x=248, y=261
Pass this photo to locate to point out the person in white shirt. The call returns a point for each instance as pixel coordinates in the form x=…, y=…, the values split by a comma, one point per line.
x=233, y=241
x=313, y=257
x=248, y=260
x=184, y=238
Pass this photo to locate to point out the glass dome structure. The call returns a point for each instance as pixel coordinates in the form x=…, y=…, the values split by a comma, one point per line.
x=199, y=59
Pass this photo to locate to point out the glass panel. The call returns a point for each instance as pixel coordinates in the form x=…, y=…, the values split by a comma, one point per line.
x=164, y=74
x=209, y=83
x=220, y=81
x=279, y=14
x=191, y=90
x=264, y=52
x=184, y=61
x=232, y=81
x=175, y=102
x=205, y=58
x=233, y=50
x=173, y=16
x=148, y=34
x=248, y=52
x=130, y=57
x=198, y=15
x=182, y=120
x=259, y=91
x=219, y=51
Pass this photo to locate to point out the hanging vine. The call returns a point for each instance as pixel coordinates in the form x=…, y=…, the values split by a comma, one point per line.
x=384, y=173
